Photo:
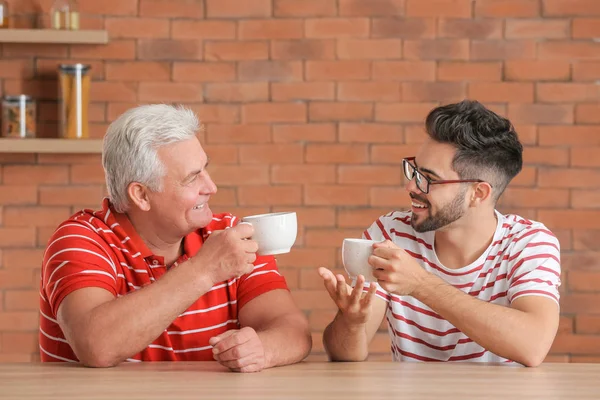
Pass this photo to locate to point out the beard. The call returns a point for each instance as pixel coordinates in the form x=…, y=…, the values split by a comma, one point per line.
x=449, y=213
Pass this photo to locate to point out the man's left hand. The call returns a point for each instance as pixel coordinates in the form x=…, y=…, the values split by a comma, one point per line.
x=240, y=350
x=396, y=270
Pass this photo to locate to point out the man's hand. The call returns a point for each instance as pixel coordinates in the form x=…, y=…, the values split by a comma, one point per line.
x=240, y=350
x=396, y=271
x=227, y=254
x=353, y=304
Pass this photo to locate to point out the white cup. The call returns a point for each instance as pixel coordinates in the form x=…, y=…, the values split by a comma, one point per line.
x=275, y=233
x=355, y=257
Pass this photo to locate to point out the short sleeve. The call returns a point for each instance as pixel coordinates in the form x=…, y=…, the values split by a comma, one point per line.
x=375, y=232
x=535, y=267
x=76, y=258
x=262, y=279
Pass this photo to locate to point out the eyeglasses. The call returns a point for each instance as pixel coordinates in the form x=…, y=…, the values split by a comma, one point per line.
x=423, y=182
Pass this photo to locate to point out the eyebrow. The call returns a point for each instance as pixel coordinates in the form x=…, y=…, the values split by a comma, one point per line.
x=428, y=171
x=198, y=171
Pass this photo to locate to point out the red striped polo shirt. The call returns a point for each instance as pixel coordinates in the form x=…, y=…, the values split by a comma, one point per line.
x=522, y=260
x=102, y=249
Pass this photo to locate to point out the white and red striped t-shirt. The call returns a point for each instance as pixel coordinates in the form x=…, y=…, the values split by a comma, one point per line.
x=102, y=249
x=523, y=260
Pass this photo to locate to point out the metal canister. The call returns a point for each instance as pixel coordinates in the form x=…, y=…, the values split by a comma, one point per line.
x=18, y=116
x=74, y=100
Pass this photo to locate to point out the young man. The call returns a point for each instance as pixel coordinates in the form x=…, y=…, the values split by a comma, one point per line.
x=154, y=275
x=456, y=280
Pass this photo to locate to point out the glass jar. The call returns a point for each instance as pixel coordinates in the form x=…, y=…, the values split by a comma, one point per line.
x=74, y=100
x=64, y=14
x=3, y=14
x=18, y=117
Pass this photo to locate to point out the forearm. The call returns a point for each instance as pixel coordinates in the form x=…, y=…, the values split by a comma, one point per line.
x=507, y=332
x=286, y=340
x=121, y=328
x=344, y=342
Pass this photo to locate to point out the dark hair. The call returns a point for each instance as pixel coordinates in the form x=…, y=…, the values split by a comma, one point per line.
x=487, y=146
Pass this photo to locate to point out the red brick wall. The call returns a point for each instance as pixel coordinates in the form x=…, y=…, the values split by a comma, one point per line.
x=309, y=105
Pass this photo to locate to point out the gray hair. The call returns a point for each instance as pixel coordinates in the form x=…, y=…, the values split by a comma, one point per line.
x=130, y=147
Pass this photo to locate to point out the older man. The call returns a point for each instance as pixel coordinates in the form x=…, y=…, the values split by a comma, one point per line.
x=155, y=275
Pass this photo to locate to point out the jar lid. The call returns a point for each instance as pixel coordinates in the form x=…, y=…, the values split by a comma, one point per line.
x=17, y=98
x=74, y=67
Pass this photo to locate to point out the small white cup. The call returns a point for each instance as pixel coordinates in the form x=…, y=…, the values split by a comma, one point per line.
x=275, y=233
x=355, y=257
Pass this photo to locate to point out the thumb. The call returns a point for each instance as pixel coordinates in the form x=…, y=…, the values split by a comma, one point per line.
x=216, y=339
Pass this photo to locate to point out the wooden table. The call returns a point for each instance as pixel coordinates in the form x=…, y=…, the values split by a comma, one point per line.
x=312, y=380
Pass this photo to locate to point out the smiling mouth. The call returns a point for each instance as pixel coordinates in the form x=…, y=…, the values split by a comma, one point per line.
x=199, y=206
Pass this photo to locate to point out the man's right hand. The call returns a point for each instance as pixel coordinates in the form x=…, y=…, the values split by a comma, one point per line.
x=354, y=305
x=227, y=254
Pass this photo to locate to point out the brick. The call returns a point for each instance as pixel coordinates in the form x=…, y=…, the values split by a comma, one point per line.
x=39, y=89
x=87, y=173
x=541, y=113
x=17, y=237
x=204, y=72
x=546, y=156
x=586, y=260
x=138, y=71
x=538, y=198
x=503, y=50
x=445, y=92
x=369, y=49
x=403, y=112
x=338, y=70
x=273, y=112
x=172, y=8
x=300, y=173
x=371, y=8
x=502, y=92
x=531, y=70
x=110, y=7
x=576, y=344
x=569, y=178
x=569, y=136
x=21, y=300
x=67, y=195
x=137, y=28
x=438, y=8
x=312, y=216
x=370, y=133
x=227, y=175
x=470, y=28
x=393, y=197
x=280, y=195
x=236, y=92
x=18, y=194
x=222, y=154
x=583, y=281
x=437, y=49
x=16, y=216
x=34, y=174
x=569, y=219
x=236, y=9
x=283, y=91
x=586, y=28
x=318, y=319
x=205, y=30
x=587, y=113
x=283, y=133
x=584, y=359
x=106, y=91
x=325, y=237
x=368, y=91
x=585, y=156
x=72, y=158
x=270, y=29
x=307, y=258
x=20, y=320
x=507, y=8
x=406, y=28
x=16, y=69
x=306, y=8
x=308, y=49
x=391, y=154
x=404, y=70
x=336, y=195
x=336, y=28
x=168, y=92
x=272, y=154
x=527, y=177
x=585, y=239
x=567, y=92
x=25, y=258
x=338, y=153
x=273, y=71
x=233, y=51
x=469, y=71
x=217, y=113
x=241, y=211
x=17, y=50
x=360, y=218
x=570, y=7
x=564, y=49
x=43, y=236
x=169, y=50
x=537, y=29
x=115, y=50
x=586, y=70
x=338, y=111
x=20, y=342
x=49, y=67
x=587, y=324
x=370, y=175
x=17, y=278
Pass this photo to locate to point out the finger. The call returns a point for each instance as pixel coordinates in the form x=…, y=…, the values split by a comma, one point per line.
x=341, y=287
x=357, y=291
x=216, y=339
x=385, y=244
x=230, y=342
x=239, y=363
x=250, y=246
x=379, y=263
x=325, y=273
x=330, y=283
x=366, y=300
x=382, y=276
x=244, y=230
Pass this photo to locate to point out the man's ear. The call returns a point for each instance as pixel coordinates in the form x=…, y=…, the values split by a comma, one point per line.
x=481, y=193
x=138, y=195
